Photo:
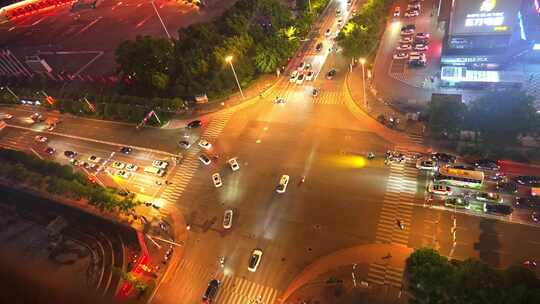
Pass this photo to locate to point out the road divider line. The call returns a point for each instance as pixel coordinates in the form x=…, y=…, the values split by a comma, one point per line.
x=93, y=140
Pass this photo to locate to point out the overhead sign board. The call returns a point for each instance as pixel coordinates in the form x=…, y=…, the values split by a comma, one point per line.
x=471, y=17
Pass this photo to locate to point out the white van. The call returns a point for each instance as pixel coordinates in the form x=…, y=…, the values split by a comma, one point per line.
x=154, y=170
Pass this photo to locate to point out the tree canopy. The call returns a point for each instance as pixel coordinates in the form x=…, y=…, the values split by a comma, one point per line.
x=195, y=62
x=434, y=279
x=502, y=115
x=446, y=113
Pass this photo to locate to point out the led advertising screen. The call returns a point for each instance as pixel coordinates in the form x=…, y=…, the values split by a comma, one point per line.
x=472, y=17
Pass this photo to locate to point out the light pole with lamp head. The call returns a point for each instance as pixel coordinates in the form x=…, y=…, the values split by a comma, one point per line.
x=229, y=60
x=363, y=62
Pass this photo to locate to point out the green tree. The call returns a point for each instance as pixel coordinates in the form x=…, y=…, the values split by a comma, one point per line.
x=475, y=282
x=500, y=116
x=429, y=276
x=144, y=58
x=446, y=114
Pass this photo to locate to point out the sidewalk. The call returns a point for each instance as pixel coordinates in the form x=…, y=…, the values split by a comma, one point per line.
x=260, y=86
x=362, y=254
x=377, y=106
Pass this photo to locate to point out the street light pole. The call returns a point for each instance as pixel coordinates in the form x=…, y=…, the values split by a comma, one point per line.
x=10, y=91
x=363, y=61
x=229, y=60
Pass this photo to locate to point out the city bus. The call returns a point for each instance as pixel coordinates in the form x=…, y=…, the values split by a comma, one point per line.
x=460, y=177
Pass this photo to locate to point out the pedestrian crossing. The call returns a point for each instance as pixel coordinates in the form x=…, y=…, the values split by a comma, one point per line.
x=329, y=98
x=232, y=290
x=180, y=178
x=397, y=206
x=417, y=139
x=385, y=275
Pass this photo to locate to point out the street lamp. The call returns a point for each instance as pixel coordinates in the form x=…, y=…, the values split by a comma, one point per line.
x=10, y=92
x=362, y=62
x=229, y=60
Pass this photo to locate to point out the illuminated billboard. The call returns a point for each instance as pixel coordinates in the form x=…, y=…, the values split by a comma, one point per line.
x=472, y=17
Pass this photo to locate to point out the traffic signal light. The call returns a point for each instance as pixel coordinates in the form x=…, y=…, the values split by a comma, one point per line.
x=50, y=100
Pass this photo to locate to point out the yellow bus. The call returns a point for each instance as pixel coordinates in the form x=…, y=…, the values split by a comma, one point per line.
x=460, y=177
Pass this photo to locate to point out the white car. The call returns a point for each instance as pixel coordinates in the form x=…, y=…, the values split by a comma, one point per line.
x=489, y=197
x=160, y=164
x=227, y=219
x=294, y=74
x=204, y=144
x=5, y=116
x=283, y=182
x=405, y=40
x=123, y=174
x=301, y=66
x=439, y=189
x=40, y=139
x=404, y=47
x=309, y=76
x=340, y=22
x=426, y=164
x=118, y=165
x=131, y=167
x=234, y=164
x=300, y=79
x=279, y=100
x=421, y=47
x=94, y=159
x=328, y=33
x=205, y=159
x=401, y=55
x=412, y=13
x=417, y=53
x=216, y=178
x=255, y=260
x=397, y=11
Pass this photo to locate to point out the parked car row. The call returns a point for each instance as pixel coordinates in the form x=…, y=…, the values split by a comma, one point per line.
x=412, y=46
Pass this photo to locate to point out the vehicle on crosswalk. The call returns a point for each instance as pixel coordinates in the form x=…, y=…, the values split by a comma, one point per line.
x=118, y=165
x=426, y=164
x=283, y=182
x=94, y=159
x=41, y=139
x=234, y=164
x=162, y=164
x=216, y=179
x=205, y=144
x=255, y=260
x=227, y=219
x=194, y=124
x=211, y=291
x=205, y=159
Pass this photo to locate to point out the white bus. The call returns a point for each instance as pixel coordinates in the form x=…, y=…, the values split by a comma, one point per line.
x=460, y=177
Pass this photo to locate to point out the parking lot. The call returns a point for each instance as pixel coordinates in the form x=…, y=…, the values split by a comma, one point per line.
x=74, y=42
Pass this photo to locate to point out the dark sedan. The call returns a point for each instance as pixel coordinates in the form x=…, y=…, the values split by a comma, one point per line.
x=528, y=180
x=194, y=124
